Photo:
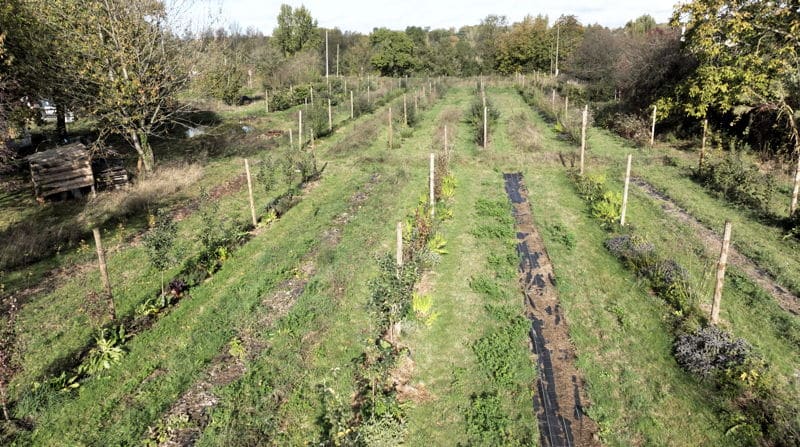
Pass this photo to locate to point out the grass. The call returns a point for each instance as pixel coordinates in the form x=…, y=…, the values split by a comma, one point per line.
x=747, y=311
x=46, y=339
x=301, y=371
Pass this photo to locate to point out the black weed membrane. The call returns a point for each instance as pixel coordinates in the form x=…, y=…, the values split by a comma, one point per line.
x=557, y=402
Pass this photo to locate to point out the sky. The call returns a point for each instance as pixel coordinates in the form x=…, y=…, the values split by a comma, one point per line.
x=364, y=15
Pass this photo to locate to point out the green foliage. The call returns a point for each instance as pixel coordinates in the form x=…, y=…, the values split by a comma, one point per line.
x=160, y=242
x=393, y=52
x=488, y=287
x=106, y=353
x=155, y=304
x=475, y=117
x=391, y=290
x=223, y=82
x=437, y=244
x=296, y=29
x=608, y=207
x=739, y=182
x=423, y=306
x=560, y=233
x=497, y=350
x=487, y=422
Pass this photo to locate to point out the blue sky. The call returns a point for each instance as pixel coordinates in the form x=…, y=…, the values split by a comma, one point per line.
x=363, y=15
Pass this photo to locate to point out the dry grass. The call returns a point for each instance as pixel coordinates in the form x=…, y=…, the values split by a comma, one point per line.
x=50, y=231
x=524, y=133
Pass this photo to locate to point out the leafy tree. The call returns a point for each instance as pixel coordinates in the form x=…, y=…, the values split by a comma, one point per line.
x=749, y=60
x=296, y=30
x=486, y=41
x=569, y=33
x=642, y=25
x=525, y=47
x=393, y=52
x=120, y=62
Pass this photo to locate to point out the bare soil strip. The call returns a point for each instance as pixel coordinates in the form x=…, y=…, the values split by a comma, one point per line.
x=560, y=397
x=195, y=405
x=712, y=241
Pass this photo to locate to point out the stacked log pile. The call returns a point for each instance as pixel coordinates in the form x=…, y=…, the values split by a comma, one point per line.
x=67, y=168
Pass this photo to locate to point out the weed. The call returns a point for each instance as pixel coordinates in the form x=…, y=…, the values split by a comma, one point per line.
x=488, y=287
x=497, y=349
x=562, y=235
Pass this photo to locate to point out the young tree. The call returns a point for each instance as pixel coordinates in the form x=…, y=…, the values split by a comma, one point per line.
x=120, y=61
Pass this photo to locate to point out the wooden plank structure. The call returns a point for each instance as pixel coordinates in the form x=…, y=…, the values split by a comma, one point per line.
x=110, y=173
x=66, y=168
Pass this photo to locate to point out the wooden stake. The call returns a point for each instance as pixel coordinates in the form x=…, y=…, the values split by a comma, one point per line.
x=312, y=95
x=432, y=186
x=291, y=139
x=723, y=262
x=390, y=127
x=405, y=110
x=101, y=260
x=653, y=129
x=703, y=145
x=250, y=193
x=796, y=190
x=266, y=99
x=352, y=109
x=326, y=56
x=553, y=100
x=330, y=117
x=625, y=192
x=585, y=119
x=566, y=107
x=399, y=255
x=485, y=127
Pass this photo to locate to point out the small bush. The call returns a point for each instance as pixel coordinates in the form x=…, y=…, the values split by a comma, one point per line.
x=710, y=351
x=487, y=422
x=608, y=208
x=739, y=182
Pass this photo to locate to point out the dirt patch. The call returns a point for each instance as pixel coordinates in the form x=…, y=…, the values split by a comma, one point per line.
x=560, y=398
x=712, y=242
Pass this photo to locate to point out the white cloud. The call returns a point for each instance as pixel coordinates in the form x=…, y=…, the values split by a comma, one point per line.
x=364, y=15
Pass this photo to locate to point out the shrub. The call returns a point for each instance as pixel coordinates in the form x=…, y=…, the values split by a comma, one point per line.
x=710, y=351
x=634, y=251
x=740, y=182
x=475, y=118
x=487, y=423
x=608, y=207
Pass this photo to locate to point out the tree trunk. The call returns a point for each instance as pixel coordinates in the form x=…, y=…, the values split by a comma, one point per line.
x=145, y=151
x=61, y=121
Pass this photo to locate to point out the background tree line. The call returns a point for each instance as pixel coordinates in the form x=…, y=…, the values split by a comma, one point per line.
x=122, y=63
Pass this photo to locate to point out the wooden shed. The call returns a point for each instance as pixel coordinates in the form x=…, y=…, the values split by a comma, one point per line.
x=66, y=168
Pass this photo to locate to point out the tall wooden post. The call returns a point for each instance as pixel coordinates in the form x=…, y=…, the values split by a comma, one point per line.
x=566, y=107
x=250, y=193
x=312, y=95
x=300, y=129
x=291, y=139
x=405, y=110
x=703, y=145
x=399, y=253
x=625, y=192
x=101, y=260
x=326, y=55
x=390, y=127
x=723, y=262
x=432, y=185
x=485, y=127
x=653, y=128
x=553, y=99
x=330, y=116
x=584, y=121
x=796, y=190
x=266, y=99
x=352, y=109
